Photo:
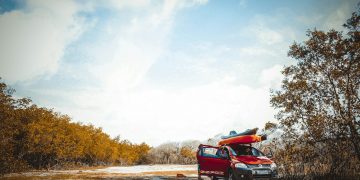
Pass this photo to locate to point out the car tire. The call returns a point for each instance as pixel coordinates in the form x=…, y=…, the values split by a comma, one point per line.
x=230, y=175
x=199, y=175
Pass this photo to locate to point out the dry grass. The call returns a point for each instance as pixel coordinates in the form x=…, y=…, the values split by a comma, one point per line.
x=79, y=174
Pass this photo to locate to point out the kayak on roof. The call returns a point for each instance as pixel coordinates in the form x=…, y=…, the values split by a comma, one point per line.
x=245, y=139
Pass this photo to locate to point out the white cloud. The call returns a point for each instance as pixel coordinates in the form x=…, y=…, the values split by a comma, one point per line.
x=135, y=45
x=272, y=77
x=128, y=3
x=156, y=115
x=197, y=112
x=267, y=36
x=123, y=103
x=338, y=17
x=257, y=51
x=333, y=20
x=145, y=112
x=33, y=39
x=270, y=31
x=310, y=20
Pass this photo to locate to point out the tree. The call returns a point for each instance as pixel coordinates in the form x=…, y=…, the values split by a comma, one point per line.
x=35, y=137
x=319, y=103
x=11, y=130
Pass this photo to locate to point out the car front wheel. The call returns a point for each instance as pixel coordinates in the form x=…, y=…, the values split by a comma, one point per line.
x=230, y=176
x=199, y=175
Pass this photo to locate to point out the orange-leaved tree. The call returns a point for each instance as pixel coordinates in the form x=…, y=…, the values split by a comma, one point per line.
x=319, y=103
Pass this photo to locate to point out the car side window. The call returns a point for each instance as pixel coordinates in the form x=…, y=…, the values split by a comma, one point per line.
x=225, y=153
x=256, y=152
x=210, y=152
x=232, y=151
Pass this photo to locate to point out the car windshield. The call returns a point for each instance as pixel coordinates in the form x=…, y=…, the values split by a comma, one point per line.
x=245, y=151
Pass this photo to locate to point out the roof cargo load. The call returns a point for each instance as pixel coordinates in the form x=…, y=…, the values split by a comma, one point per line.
x=244, y=139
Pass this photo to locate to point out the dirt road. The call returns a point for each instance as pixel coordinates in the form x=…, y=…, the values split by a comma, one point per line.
x=115, y=172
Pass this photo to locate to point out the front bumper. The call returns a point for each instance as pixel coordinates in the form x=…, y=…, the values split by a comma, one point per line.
x=247, y=173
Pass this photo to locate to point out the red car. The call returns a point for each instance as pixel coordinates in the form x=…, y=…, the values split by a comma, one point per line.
x=234, y=161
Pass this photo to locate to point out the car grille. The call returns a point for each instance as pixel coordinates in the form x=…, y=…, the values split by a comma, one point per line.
x=262, y=176
x=258, y=166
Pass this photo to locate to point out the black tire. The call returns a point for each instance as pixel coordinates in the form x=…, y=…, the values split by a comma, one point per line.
x=199, y=175
x=230, y=175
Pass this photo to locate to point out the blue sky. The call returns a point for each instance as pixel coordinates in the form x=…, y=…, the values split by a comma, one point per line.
x=157, y=71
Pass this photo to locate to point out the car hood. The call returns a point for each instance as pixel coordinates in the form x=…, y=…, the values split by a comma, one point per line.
x=253, y=159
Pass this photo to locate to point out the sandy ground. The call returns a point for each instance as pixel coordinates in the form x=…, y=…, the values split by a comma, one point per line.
x=115, y=172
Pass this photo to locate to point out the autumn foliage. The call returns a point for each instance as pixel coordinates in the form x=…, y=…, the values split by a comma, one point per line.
x=36, y=137
x=319, y=104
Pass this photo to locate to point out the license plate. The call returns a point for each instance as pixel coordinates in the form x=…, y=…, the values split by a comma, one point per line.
x=261, y=172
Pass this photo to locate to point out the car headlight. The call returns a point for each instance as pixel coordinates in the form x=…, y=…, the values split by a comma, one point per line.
x=273, y=166
x=240, y=165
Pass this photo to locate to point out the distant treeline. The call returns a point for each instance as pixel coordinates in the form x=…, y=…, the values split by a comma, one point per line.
x=174, y=153
x=33, y=137
x=36, y=137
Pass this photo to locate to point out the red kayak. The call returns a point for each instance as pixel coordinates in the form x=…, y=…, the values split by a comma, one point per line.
x=245, y=139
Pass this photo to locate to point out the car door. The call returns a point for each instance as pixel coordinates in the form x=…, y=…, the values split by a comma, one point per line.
x=224, y=161
x=210, y=161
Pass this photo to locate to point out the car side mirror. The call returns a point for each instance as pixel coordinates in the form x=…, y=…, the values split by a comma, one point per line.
x=269, y=155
